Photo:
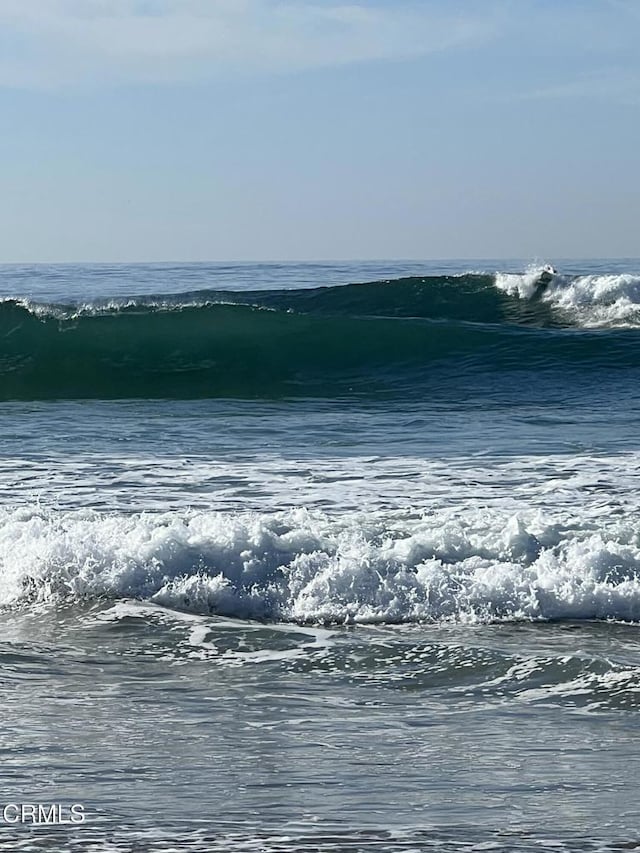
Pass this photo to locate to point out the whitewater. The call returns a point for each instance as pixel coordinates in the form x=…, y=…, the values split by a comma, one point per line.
x=342, y=557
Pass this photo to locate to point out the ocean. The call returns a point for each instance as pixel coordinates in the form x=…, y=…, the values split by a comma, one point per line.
x=320, y=557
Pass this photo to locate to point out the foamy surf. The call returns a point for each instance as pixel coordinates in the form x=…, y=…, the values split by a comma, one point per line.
x=585, y=301
x=309, y=567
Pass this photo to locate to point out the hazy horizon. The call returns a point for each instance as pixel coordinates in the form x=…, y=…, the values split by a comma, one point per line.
x=312, y=261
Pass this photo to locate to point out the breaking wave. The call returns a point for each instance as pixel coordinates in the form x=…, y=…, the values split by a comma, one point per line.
x=300, y=566
x=395, y=335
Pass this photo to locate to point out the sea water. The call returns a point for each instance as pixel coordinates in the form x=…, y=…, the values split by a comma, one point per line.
x=331, y=557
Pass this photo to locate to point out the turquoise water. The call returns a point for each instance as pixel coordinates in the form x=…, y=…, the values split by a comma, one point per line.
x=292, y=562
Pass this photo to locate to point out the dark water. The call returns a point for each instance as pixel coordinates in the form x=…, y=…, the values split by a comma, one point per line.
x=321, y=557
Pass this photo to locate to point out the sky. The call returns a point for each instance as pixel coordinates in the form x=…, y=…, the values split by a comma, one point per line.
x=192, y=130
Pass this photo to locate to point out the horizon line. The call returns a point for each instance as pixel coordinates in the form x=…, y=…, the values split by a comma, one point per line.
x=318, y=261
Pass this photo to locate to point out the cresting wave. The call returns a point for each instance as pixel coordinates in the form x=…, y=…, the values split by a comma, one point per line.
x=307, y=567
x=395, y=335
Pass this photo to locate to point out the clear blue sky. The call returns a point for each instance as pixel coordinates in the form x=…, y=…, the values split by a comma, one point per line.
x=310, y=129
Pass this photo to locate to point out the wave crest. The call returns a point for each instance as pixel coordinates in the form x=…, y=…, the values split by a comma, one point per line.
x=411, y=335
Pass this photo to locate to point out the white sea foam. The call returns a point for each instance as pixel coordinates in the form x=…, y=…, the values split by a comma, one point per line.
x=523, y=284
x=590, y=301
x=480, y=565
x=398, y=539
x=375, y=484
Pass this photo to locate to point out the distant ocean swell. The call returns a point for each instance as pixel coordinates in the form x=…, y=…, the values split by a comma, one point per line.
x=381, y=336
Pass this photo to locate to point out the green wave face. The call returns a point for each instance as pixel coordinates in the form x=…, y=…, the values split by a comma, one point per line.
x=472, y=298
x=408, y=337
